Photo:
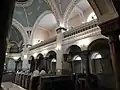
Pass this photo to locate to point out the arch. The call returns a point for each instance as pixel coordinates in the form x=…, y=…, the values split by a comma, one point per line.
x=37, y=22
x=51, y=61
x=98, y=44
x=96, y=55
x=31, y=57
x=51, y=55
x=100, y=61
x=70, y=7
x=21, y=29
x=32, y=63
x=76, y=58
x=39, y=61
x=76, y=11
x=73, y=50
x=39, y=57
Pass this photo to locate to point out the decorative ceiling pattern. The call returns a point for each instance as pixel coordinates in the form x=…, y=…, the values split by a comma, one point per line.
x=14, y=41
x=28, y=15
x=62, y=5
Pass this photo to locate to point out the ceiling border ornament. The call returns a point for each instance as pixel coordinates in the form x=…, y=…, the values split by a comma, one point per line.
x=21, y=29
x=24, y=4
x=69, y=10
x=37, y=22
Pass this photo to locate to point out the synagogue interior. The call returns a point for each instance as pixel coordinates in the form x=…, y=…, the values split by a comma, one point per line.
x=60, y=45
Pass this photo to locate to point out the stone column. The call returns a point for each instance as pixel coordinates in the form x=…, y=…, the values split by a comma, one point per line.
x=85, y=61
x=6, y=14
x=115, y=55
x=25, y=64
x=59, y=51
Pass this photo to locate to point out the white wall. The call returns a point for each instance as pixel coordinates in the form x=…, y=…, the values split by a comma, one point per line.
x=40, y=34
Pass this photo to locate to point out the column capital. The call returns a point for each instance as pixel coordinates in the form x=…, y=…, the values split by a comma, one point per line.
x=85, y=52
x=110, y=27
x=60, y=29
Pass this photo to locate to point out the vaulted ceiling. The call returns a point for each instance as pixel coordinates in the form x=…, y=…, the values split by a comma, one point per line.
x=28, y=11
x=45, y=16
x=27, y=15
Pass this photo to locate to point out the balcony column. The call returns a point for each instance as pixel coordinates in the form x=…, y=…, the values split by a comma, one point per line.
x=111, y=29
x=59, y=50
x=115, y=55
x=6, y=14
x=25, y=57
x=85, y=61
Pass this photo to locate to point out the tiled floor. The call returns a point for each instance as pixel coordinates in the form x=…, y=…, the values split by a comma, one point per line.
x=11, y=86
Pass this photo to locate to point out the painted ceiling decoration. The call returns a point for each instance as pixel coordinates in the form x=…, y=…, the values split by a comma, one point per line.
x=15, y=40
x=27, y=15
x=27, y=11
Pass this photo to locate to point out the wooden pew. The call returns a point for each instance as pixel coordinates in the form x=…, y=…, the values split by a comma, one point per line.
x=27, y=81
x=56, y=83
x=34, y=83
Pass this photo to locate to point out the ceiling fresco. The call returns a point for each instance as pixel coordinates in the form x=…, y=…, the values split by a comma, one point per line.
x=29, y=14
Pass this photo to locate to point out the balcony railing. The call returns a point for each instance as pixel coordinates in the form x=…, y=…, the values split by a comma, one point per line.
x=43, y=43
x=82, y=28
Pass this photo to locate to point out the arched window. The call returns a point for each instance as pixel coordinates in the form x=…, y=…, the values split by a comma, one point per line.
x=91, y=17
x=96, y=63
x=77, y=57
x=96, y=55
x=53, y=60
x=77, y=64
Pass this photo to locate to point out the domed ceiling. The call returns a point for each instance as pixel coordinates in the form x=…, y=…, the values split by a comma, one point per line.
x=27, y=15
x=27, y=11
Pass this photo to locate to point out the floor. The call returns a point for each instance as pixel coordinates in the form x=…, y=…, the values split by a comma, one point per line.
x=11, y=86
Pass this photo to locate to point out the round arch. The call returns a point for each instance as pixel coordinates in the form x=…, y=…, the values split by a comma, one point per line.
x=71, y=7
x=51, y=55
x=78, y=11
x=21, y=29
x=39, y=57
x=51, y=61
x=73, y=49
x=32, y=63
x=39, y=61
x=37, y=22
x=100, y=61
x=98, y=44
